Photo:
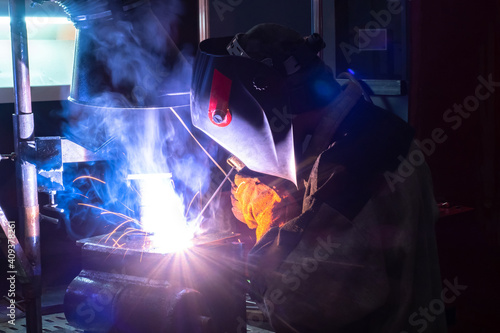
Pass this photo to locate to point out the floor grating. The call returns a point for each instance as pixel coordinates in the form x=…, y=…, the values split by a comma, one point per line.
x=56, y=323
x=51, y=323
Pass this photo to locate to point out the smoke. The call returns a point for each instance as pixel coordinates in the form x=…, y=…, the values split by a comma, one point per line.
x=131, y=72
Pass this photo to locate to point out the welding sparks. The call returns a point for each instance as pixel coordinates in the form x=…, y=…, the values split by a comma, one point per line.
x=116, y=230
x=105, y=211
x=165, y=237
x=162, y=217
x=128, y=208
x=89, y=177
x=86, y=197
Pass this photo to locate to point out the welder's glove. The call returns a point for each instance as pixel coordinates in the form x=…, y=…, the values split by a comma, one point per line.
x=260, y=206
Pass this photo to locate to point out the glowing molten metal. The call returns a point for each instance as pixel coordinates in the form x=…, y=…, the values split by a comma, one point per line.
x=162, y=212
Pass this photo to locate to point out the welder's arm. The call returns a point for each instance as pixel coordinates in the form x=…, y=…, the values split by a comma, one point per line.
x=261, y=206
x=334, y=277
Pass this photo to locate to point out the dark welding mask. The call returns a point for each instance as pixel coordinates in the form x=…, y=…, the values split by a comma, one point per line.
x=247, y=105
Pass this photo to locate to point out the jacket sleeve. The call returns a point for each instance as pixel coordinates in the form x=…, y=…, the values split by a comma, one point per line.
x=332, y=279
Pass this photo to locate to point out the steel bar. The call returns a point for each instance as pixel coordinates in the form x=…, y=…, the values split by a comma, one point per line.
x=317, y=19
x=204, y=19
x=25, y=169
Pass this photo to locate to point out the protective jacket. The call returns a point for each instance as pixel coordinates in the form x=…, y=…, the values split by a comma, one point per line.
x=361, y=257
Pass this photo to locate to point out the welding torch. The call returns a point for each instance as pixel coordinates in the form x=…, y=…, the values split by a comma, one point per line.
x=236, y=164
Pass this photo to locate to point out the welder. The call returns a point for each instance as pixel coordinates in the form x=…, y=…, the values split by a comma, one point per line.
x=345, y=234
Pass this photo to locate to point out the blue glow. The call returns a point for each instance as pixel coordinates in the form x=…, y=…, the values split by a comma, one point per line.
x=178, y=94
x=351, y=71
x=322, y=89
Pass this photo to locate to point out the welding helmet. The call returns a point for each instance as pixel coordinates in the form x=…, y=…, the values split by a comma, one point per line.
x=247, y=88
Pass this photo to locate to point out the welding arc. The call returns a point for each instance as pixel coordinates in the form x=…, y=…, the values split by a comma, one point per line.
x=215, y=193
x=199, y=144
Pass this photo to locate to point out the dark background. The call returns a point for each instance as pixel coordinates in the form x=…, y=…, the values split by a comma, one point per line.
x=452, y=44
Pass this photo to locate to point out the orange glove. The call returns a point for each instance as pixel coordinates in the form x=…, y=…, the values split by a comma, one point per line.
x=260, y=206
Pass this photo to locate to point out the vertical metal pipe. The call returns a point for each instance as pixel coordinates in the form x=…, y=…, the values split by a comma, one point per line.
x=203, y=19
x=317, y=19
x=25, y=169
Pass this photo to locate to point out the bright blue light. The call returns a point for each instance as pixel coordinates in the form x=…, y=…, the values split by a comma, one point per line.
x=351, y=71
x=38, y=20
x=322, y=89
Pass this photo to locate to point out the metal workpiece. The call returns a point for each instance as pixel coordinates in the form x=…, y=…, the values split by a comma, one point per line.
x=107, y=302
x=129, y=285
x=164, y=308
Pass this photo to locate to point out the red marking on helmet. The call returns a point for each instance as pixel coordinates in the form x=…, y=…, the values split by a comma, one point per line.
x=218, y=108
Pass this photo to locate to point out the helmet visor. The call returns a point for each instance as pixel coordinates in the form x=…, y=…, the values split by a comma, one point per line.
x=243, y=105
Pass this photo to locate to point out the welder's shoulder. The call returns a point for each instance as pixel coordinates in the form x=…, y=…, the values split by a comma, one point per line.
x=369, y=143
x=370, y=138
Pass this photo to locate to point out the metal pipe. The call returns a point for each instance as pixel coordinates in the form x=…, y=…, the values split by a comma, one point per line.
x=204, y=18
x=25, y=169
x=317, y=19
